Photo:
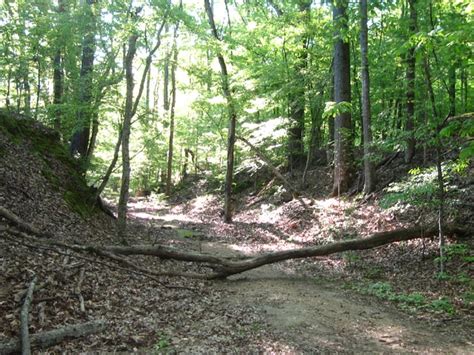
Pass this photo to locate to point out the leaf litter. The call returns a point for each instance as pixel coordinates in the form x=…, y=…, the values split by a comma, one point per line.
x=295, y=306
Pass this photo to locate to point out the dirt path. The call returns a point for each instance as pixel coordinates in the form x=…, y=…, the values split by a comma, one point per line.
x=309, y=315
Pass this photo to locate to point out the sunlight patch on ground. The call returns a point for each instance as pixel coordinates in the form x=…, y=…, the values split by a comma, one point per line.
x=145, y=215
x=176, y=217
x=244, y=249
x=200, y=203
x=269, y=348
x=269, y=215
x=391, y=336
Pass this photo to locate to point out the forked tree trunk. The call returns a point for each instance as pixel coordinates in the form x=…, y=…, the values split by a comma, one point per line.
x=131, y=106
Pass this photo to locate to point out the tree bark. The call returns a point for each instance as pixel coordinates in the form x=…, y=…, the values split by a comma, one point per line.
x=342, y=93
x=439, y=170
x=410, y=77
x=225, y=267
x=369, y=171
x=127, y=121
x=452, y=90
x=58, y=88
x=111, y=167
x=174, y=63
x=131, y=107
x=296, y=156
x=232, y=119
x=80, y=138
x=38, y=86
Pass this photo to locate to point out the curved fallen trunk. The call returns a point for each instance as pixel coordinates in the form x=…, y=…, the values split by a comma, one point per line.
x=226, y=266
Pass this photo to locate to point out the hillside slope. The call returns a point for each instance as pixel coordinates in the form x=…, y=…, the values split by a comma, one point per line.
x=41, y=183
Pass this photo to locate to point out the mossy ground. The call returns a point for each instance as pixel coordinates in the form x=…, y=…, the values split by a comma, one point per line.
x=57, y=166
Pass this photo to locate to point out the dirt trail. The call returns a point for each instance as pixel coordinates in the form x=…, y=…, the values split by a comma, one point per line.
x=310, y=315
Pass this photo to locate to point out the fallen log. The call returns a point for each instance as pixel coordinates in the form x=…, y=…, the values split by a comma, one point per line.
x=53, y=337
x=225, y=266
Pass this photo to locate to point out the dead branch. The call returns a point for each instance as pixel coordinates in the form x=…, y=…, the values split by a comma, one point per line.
x=24, y=313
x=53, y=337
x=20, y=224
x=77, y=291
x=128, y=266
x=261, y=156
x=41, y=313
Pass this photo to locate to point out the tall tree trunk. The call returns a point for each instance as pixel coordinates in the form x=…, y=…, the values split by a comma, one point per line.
x=38, y=86
x=80, y=138
x=27, y=91
x=452, y=90
x=440, y=177
x=296, y=156
x=342, y=93
x=127, y=121
x=131, y=107
x=166, y=79
x=9, y=79
x=369, y=171
x=174, y=63
x=58, y=89
x=410, y=77
x=232, y=119
x=58, y=78
x=330, y=147
x=464, y=89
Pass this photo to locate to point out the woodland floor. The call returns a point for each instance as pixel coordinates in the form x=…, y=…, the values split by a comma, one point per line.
x=307, y=305
x=297, y=306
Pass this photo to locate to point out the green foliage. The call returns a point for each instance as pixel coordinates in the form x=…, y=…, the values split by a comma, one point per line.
x=460, y=252
x=442, y=305
x=333, y=109
x=411, y=301
x=162, y=345
x=272, y=59
x=419, y=189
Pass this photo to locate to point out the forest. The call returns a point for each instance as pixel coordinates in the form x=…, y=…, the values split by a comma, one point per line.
x=213, y=176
